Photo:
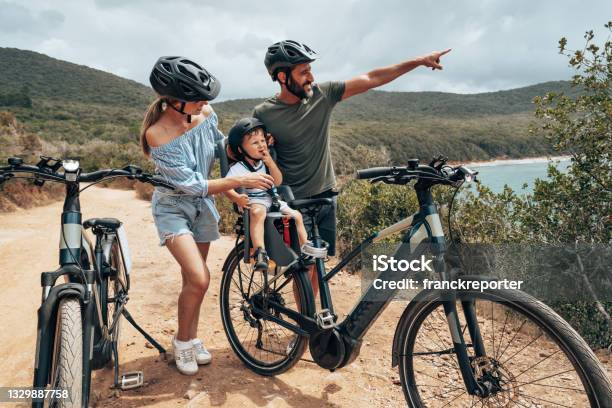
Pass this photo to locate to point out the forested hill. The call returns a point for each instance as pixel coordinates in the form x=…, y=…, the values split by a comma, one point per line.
x=76, y=106
x=46, y=78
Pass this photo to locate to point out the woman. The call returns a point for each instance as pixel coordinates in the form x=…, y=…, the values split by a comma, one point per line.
x=178, y=133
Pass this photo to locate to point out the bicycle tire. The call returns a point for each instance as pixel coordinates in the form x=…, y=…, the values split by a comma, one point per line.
x=68, y=354
x=293, y=350
x=109, y=287
x=596, y=387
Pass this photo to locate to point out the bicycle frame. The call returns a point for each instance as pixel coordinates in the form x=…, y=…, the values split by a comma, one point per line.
x=423, y=226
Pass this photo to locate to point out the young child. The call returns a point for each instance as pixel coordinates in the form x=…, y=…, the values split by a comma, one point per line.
x=247, y=142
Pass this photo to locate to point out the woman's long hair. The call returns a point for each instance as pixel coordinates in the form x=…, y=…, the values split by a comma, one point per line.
x=152, y=115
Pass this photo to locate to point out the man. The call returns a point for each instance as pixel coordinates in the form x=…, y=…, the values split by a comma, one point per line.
x=298, y=119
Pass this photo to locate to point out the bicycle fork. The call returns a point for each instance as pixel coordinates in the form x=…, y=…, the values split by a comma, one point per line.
x=460, y=348
x=47, y=318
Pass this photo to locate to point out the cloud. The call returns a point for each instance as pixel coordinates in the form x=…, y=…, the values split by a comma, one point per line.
x=496, y=45
x=17, y=19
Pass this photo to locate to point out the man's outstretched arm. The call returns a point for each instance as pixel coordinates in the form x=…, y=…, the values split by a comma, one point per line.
x=381, y=76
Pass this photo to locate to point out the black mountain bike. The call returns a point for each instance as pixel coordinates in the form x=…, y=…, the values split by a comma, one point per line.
x=79, y=320
x=461, y=348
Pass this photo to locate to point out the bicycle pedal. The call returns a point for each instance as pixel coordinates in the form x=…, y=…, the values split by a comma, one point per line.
x=131, y=380
x=326, y=320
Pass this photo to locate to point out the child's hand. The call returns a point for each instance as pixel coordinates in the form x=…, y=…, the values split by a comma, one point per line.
x=242, y=202
x=266, y=158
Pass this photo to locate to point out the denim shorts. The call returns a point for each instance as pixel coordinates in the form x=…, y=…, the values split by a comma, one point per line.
x=185, y=214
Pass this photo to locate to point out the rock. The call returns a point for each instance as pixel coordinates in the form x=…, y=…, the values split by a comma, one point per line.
x=95, y=397
x=190, y=394
x=148, y=345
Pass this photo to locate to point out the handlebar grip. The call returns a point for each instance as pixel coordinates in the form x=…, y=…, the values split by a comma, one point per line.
x=373, y=172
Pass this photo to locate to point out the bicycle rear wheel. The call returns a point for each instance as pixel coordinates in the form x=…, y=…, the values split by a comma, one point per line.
x=533, y=357
x=67, y=368
x=112, y=285
x=264, y=346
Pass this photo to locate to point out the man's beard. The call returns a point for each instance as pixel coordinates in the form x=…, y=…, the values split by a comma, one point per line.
x=299, y=91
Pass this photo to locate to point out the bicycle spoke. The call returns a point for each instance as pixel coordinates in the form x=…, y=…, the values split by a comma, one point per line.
x=536, y=364
x=449, y=402
x=501, y=341
x=512, y=339
x=493, y=327
x=544, y=400
x=527, y=345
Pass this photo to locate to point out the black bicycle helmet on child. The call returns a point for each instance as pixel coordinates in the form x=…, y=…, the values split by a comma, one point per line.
x=184, y=80
x=287, y=54
x=237, y=132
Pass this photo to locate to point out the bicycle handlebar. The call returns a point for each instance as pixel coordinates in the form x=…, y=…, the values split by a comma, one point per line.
x=44, y=173
x=440, y=174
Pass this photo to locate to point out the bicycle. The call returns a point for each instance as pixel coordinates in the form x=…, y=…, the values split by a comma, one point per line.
x=79, y=320
x=447, y=345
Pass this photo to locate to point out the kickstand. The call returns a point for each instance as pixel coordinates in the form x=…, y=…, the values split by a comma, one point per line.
x=115, y=364
x=132, y=379
x=155, y=344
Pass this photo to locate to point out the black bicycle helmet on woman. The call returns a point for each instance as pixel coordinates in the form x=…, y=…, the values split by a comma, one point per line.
x=287, y=54
x=237, y=132
x=184, y=80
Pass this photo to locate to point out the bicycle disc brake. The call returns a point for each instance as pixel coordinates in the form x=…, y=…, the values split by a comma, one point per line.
x=499, y=383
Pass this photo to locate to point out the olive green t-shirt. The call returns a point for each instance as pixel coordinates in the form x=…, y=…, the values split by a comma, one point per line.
x=301, y=134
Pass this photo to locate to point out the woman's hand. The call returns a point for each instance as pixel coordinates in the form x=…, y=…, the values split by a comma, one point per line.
x=257, y=180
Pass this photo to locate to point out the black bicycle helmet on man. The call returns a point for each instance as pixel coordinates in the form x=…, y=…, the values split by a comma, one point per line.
x=283, y=56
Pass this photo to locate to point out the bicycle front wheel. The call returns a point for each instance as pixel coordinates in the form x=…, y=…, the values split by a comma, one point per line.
x=67, y=369
x=265, y=346
x=533, y=357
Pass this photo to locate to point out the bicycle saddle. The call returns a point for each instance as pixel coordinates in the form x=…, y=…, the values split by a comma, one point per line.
x=310, y=202
x=110, y=223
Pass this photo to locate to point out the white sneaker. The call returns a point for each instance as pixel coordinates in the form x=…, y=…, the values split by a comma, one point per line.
x=185, y=357
x=203, y=356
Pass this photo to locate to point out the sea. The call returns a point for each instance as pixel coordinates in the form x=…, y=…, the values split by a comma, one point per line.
x=495, y=174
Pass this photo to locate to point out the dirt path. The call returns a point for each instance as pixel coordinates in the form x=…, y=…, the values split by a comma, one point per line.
x=28, y=245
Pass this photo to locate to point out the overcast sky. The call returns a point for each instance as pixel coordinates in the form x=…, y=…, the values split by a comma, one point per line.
x=497, y=44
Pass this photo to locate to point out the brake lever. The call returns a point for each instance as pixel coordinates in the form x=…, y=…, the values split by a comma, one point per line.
x=400, y=180
x=438, y=162
x=378, y=179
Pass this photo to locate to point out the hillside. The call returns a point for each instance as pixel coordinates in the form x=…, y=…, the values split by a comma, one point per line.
x=72, y=107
